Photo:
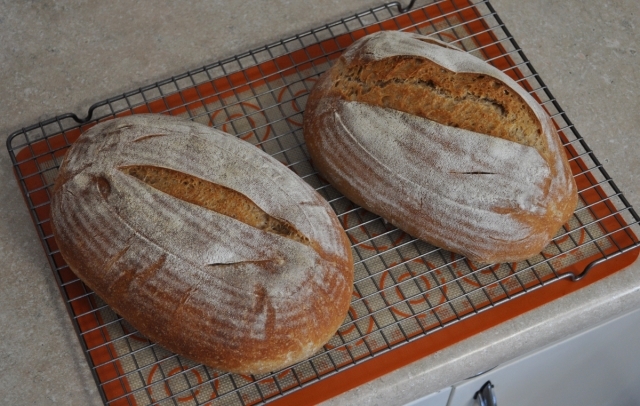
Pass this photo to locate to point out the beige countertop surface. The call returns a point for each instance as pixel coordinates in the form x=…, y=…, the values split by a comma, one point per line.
x=62, y=56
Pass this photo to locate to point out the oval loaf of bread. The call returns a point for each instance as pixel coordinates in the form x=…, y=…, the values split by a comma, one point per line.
x=442, y=145
x=203, y=242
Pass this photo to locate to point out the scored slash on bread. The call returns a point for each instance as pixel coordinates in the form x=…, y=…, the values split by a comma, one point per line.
x=203, y=242
x=213, y=197
x=442, y=145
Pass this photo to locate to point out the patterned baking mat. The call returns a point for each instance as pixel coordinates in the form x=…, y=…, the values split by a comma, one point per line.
x=409, y=298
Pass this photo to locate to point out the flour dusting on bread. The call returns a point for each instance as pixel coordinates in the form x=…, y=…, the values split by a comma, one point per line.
x=169, y=222
x=441, y=144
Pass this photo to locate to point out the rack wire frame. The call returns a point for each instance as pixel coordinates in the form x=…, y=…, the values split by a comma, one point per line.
x=404, y=288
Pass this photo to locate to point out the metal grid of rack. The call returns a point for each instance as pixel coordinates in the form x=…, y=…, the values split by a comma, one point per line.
x=404, y=288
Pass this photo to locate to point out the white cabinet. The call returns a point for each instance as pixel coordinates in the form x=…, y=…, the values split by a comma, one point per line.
x=435, y=399
x=600, y=366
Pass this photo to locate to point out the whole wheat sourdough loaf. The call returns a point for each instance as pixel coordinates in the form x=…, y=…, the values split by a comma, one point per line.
x=442, y=145
x=203, y=242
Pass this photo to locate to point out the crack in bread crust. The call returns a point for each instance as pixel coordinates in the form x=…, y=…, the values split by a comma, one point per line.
x=214, y=197
x=420, y=87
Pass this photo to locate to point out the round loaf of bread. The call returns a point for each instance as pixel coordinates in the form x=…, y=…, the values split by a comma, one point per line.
x=203, y=242
x=442, y=145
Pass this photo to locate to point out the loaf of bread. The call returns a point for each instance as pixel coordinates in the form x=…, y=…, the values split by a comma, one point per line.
x=442, y=145
x=203, y=242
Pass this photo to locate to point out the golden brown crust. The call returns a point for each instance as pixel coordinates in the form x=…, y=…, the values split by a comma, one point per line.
x=418, y=86
x=235, y=294
x=211, y=196
x=475, y=167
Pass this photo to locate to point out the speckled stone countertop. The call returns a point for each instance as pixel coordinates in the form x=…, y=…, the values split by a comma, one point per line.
x=62, y=56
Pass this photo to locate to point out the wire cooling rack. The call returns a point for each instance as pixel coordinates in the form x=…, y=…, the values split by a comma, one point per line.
x=405, y=290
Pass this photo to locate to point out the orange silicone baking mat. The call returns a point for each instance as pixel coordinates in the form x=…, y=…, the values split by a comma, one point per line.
x=410, y=298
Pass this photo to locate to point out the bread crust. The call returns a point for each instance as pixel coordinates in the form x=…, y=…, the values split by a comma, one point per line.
x=442, y=145
x=218, y=290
